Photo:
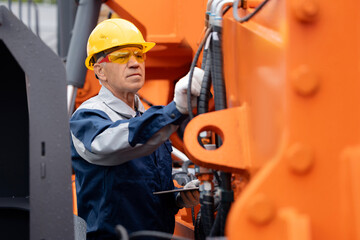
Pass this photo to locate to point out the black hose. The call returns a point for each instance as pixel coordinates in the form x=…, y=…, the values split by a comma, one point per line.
x=198, y=228
x=192, y=67
x=145, y=100
x=215, y=229
x=249, y=16
x=226, y=193
x=217, y=70
x=207, y=211
x=205, y=94
x=203, y=63
x=206, y=197
x=217, y=74
x=226, y=198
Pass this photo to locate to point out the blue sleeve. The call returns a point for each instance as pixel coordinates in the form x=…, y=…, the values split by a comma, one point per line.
x=87, y=124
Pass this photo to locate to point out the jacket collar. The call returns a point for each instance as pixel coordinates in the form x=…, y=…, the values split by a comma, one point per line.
x=118, y=105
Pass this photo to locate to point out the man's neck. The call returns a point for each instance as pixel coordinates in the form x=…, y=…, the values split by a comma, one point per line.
x=126, y=97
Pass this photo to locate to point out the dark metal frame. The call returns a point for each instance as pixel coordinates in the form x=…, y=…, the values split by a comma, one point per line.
x=51, y=214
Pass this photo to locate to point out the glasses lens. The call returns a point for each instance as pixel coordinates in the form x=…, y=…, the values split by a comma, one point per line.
x=123, y=56
x=119, y=57
x=139, y=55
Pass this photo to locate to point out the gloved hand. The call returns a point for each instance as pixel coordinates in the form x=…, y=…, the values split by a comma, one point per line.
x=189, y=199
x=180, y=96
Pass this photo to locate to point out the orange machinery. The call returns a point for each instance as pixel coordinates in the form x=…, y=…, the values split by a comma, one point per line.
x=292, y=84
x=292, y=119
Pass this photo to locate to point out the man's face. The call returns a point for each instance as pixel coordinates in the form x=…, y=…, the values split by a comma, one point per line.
x=121, y=76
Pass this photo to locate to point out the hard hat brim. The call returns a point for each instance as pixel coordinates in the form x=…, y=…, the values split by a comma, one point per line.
x=146, y=47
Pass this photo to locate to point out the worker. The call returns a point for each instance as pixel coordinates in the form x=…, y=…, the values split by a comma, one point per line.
x=120, y=152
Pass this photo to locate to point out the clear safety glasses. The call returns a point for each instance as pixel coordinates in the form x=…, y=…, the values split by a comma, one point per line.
x=122, y=56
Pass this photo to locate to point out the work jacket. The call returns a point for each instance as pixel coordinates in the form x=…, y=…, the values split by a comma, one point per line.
x=120, y=157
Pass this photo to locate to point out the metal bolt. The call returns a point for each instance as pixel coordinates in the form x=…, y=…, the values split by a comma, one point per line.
x=300, y=158
x=306, y=10
x=260, y=209
x=305, y=81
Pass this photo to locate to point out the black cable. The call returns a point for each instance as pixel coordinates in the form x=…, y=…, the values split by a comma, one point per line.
x=157, y=234
x=205, y=94
x=198, y=229
x=207, y=211
x=192, y=67
x=193, y=215
x=217, y=74
x=145, y=100
x=226, y=10
x=217, y=70
x=226, y=198
x=249, y=16
x=216, y=226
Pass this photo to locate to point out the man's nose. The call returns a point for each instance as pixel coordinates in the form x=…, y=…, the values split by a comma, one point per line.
x=133, y=62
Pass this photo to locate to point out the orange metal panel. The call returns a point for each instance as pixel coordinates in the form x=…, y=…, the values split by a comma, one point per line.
x=296, y=65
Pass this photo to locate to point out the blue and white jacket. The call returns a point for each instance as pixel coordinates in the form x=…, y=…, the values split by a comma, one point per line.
x=120, y=157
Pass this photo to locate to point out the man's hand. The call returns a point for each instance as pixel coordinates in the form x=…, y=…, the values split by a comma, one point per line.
x=180, y=97
x=189, y=199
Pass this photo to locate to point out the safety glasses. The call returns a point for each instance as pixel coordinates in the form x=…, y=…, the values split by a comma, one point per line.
x=122, y=56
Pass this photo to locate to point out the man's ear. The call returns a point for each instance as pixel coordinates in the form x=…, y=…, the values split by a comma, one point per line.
x=99, y=71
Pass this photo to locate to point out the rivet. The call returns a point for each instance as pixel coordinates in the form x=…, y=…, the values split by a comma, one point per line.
x=305, y=81
x=306, y=10
x=260, y=209
x=300, y=158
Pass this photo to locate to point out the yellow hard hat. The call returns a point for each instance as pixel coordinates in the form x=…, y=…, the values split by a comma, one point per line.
x=111, y=33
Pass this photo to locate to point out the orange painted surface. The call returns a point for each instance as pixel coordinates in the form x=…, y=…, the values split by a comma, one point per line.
x=73, y=187
x=292, y=81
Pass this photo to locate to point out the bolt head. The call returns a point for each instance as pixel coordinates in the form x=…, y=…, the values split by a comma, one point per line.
x=306, y=10
x=260, y=209
x=300, y=158
x=305, y=81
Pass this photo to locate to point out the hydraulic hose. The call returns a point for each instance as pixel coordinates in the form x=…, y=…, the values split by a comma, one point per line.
x=226, y=198
x=217, y=70
x=206, y=195
x=203, y=101
x=226, y=194
x=215, y=230
x=249, y=16
x=207, y=209
x=192, y=67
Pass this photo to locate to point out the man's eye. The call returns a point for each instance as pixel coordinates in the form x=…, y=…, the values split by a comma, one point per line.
x=121, y=56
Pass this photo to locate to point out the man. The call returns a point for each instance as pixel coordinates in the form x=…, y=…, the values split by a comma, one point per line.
x=120, y=152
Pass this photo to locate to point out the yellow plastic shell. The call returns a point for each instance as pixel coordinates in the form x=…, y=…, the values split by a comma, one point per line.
x=114, y=33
